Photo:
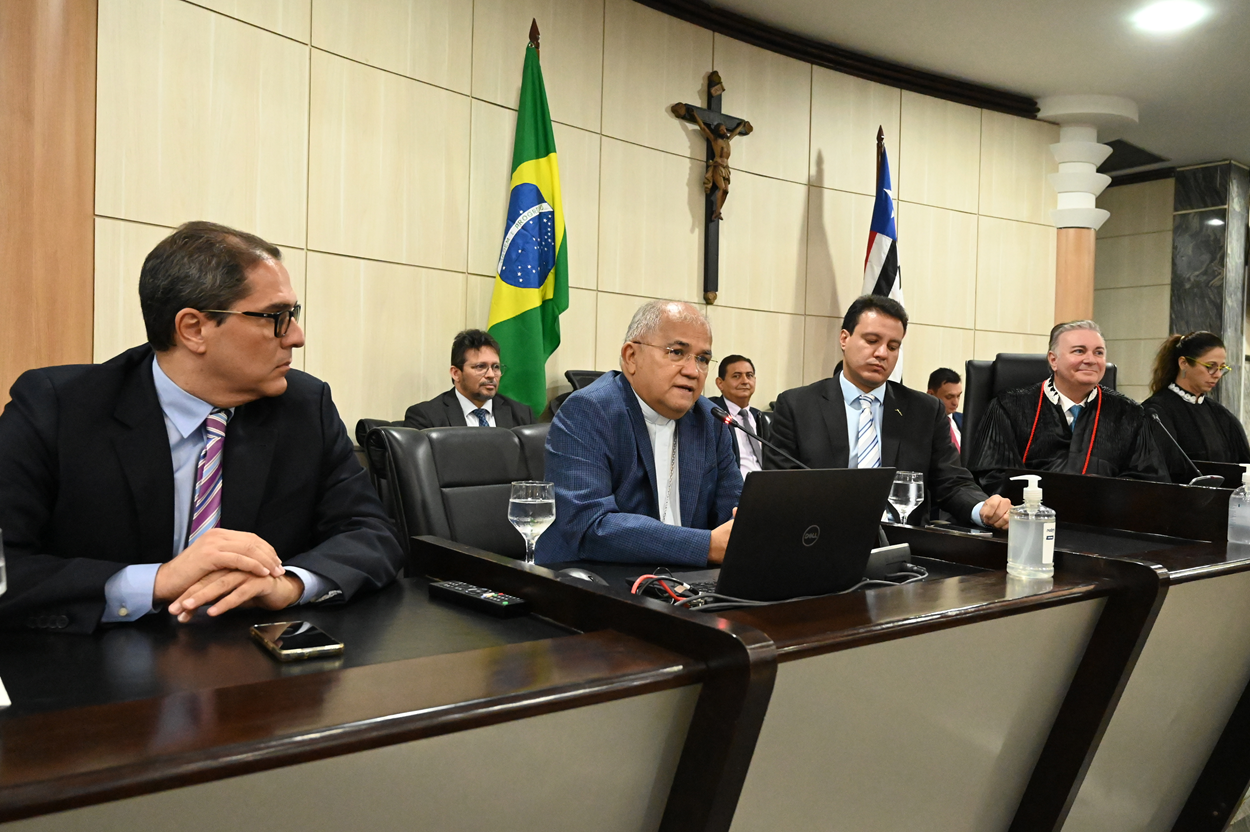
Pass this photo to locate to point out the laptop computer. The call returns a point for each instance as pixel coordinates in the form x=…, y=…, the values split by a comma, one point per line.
x=800, y=533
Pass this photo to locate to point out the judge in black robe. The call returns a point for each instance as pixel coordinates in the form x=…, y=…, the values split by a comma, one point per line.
x=1123, y=446
x=1186, y=370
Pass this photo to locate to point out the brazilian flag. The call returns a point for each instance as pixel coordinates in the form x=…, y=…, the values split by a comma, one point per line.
x=532, y=277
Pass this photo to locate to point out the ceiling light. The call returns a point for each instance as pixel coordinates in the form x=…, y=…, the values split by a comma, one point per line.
x=1170, y=15
x=1215, y=222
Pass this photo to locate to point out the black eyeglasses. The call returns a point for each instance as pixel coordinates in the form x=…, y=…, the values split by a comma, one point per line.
x=281, y=320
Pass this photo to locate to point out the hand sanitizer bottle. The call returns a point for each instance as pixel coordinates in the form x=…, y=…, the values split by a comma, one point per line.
x=1031, y=534
x=1239, y=510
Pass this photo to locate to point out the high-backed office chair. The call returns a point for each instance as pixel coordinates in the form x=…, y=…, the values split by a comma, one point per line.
x=533, y=446
x=454, y=483
x=983, y=380
x=375, y=461
x=582, y=378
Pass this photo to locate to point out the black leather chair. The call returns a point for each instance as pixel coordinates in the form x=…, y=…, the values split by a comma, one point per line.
x=582, y=378
x=454, y=483
x=983, y=380
x=533, y=446
x=375, y=463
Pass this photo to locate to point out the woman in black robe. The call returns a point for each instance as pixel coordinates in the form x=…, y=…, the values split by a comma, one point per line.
x=1186, y=370
x=1077, y=427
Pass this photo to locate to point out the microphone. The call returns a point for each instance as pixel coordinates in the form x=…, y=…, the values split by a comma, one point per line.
x=723, y=415
x=1208, y=480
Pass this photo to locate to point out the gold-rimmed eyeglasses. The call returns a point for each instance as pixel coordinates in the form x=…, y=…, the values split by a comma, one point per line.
x=1211, y=367
x=679, y=355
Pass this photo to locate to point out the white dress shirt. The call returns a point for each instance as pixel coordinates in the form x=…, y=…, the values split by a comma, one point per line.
x=468, y=407
x=1052, y=393
x=747, y=459
x=663, y=433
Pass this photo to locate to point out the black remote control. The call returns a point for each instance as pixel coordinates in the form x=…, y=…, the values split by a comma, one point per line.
x=480, y=598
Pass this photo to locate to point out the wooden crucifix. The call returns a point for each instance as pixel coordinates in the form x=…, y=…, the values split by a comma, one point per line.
x=719, y=130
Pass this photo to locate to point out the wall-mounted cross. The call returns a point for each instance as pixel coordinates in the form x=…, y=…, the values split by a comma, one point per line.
x=719, y=130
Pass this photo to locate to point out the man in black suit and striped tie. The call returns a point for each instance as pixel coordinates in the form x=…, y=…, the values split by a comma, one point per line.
x=736, y=382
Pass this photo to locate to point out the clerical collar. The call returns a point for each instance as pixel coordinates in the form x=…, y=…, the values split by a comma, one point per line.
x=1063, y=401
x=1186, y=395
x=650, y=415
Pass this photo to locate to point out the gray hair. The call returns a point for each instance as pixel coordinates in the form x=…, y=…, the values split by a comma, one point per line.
x=651, y=315
x=1060, y=329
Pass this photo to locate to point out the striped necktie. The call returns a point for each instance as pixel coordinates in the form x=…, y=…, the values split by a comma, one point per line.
x=206, y=513
x=867, y=446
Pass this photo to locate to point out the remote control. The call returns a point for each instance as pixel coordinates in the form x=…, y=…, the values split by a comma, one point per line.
x=480, y=598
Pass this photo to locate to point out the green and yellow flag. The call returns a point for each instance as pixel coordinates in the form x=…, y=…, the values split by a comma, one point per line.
x=532, y=277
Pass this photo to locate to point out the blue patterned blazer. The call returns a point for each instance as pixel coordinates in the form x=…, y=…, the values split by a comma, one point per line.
x=599, y=456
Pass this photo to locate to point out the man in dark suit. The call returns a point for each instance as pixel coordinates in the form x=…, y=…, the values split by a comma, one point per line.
x=946, y=386
x=860, y=419
x=735, y=378
x=643, y=473
x=473, y=400
x=196, y=471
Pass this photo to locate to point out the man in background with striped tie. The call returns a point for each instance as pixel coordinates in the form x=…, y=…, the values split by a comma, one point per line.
x=860, y=419
x=198, y=471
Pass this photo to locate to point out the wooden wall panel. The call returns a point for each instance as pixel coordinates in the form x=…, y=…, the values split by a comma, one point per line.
x=47, y=170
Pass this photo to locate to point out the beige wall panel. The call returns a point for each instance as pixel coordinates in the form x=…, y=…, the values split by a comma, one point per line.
x=650, y=62
x=821, y=352
x=612, y=315
x=179, y=136
x=774, y=93
x=1134, y=360
x=577, y=341
x=938, y=259
x=493, y=131
x=1015, y=276
x=120, y=248
x=380, y=333
x=478, y=292
x=286, y=17
x=1015, y=163
x=763, y=257
x=940, y=153
x=650, y=223
x=1138, y=209
x=1138, y=393
x=928, y=347
x=572, y=55
x=846, y=113
x=388, y=166
x=987, y=345
x=1138, y=312
x=296, y=262
x=773, y=342
x=1135, y=260
x=430, y=40
x=837, y=239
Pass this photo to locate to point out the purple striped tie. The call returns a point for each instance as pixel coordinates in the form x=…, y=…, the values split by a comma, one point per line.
x=206, y=513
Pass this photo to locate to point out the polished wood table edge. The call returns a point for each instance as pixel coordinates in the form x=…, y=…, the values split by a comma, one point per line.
x=394, y=715
x=733, y=700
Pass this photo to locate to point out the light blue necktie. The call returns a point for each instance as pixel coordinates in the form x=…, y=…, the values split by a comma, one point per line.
x=867, y=446
x=1076, y=412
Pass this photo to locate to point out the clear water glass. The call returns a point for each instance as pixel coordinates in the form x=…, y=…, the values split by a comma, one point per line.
x=906, y=493
x=532, y=508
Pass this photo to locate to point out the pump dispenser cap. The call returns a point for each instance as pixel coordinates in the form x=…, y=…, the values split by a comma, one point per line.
x=1245, y=475
x=1033, y=490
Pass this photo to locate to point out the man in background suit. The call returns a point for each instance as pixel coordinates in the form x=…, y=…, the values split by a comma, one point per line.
x=472, y=401
x=196, y=470
x=643, y=472
x=735, y=378
x=946, y=386
x=860, y=419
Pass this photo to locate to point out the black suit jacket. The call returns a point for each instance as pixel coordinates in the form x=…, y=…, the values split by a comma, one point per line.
x=810, y=424
x=445, y=412
x=86, y=488
x=763, y=427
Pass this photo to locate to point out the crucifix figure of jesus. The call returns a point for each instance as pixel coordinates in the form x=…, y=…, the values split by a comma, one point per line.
x=719, y=130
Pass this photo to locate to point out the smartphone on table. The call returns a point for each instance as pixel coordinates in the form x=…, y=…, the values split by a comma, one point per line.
x=290, y=641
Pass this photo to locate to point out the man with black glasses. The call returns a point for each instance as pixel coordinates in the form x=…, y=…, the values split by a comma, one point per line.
x=643, y=472
x=196, y=471
x=473, y=401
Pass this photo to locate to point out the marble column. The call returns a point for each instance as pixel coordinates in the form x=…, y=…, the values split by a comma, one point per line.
x=1209, y=223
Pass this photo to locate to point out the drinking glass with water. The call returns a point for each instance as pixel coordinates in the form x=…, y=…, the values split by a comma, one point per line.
x=532, y=508
x=906, y=493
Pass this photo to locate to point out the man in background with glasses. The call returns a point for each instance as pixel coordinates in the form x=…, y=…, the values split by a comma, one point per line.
x=473, y=400
x=198, y=471
x=643, y=472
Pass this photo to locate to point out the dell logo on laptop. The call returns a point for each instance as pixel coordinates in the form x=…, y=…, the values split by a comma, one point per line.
x=811, y=535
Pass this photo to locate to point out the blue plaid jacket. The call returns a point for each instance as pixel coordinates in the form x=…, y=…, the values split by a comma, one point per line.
x=599, y=456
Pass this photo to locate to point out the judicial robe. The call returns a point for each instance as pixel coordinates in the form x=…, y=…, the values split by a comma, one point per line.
x=1123, y=447
x=1204, y=428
